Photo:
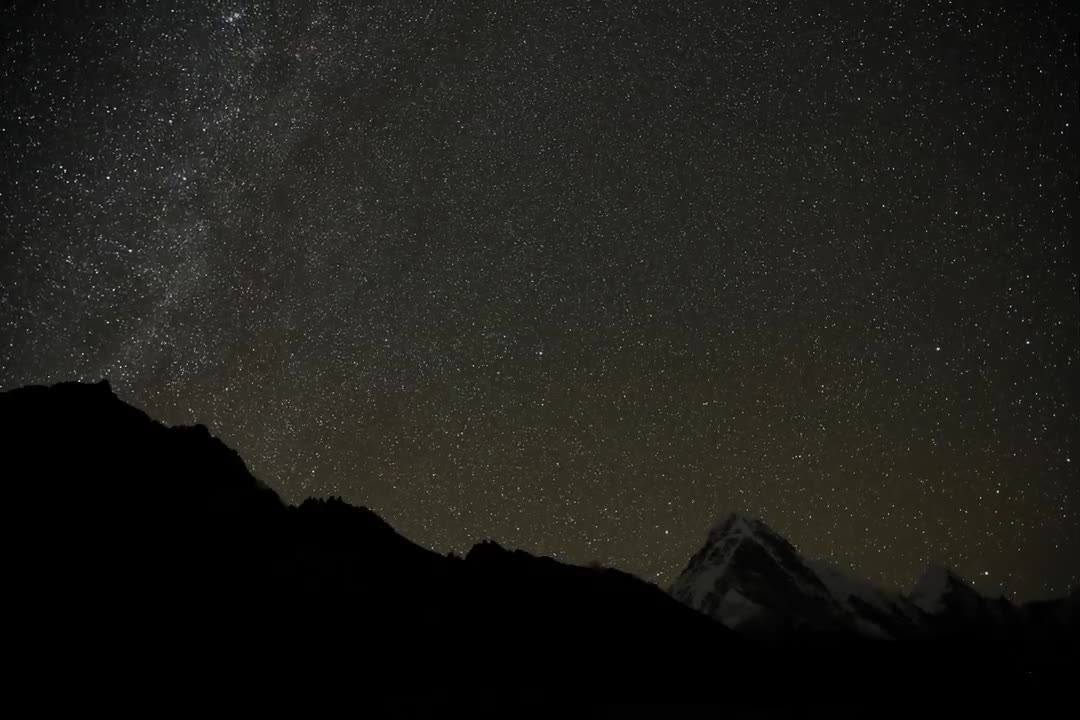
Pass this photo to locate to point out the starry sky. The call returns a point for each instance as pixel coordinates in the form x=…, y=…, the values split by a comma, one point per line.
x=575, y=277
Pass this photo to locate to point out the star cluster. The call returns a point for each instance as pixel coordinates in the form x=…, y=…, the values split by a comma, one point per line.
x=575, y=277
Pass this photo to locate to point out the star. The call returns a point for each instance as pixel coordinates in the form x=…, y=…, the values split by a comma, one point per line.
x=550, y=275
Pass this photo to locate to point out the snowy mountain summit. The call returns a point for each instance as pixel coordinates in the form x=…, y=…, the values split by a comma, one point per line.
x=750, y=578
x=943, y=594
x=938, y=587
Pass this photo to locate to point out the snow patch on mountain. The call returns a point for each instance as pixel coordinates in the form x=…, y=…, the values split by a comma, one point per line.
x=876, y=612
x=933, y=588
x=747, y=575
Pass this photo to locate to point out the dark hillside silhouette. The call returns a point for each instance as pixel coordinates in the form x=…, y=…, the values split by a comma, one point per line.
x=148, y=557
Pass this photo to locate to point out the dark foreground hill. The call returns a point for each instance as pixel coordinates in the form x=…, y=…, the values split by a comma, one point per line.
x=144, y=560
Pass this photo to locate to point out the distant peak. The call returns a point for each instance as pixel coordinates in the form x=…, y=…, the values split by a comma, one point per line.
x=731, y=523
x=937, y=574
x=733, y=516
x=937, y=582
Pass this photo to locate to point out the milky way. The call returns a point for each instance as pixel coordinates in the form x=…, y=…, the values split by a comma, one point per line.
x=575, y=278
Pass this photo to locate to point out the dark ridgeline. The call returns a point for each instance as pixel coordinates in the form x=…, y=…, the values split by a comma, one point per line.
x=147, y=559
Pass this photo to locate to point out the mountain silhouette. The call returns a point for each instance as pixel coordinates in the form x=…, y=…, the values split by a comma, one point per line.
x=146, y=559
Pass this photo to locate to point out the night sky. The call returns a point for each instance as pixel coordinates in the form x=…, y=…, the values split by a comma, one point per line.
x=575, y=278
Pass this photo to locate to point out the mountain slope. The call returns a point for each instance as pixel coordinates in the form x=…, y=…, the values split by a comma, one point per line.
x=145, y=562
x=158, y=544
x=874, y=612
x=749, y=577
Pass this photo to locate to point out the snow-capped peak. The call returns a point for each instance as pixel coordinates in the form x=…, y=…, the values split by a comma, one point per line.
x=748, y=574
x=750, y=578
x=728, y=522
x=934, y=587
x=726, y=534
